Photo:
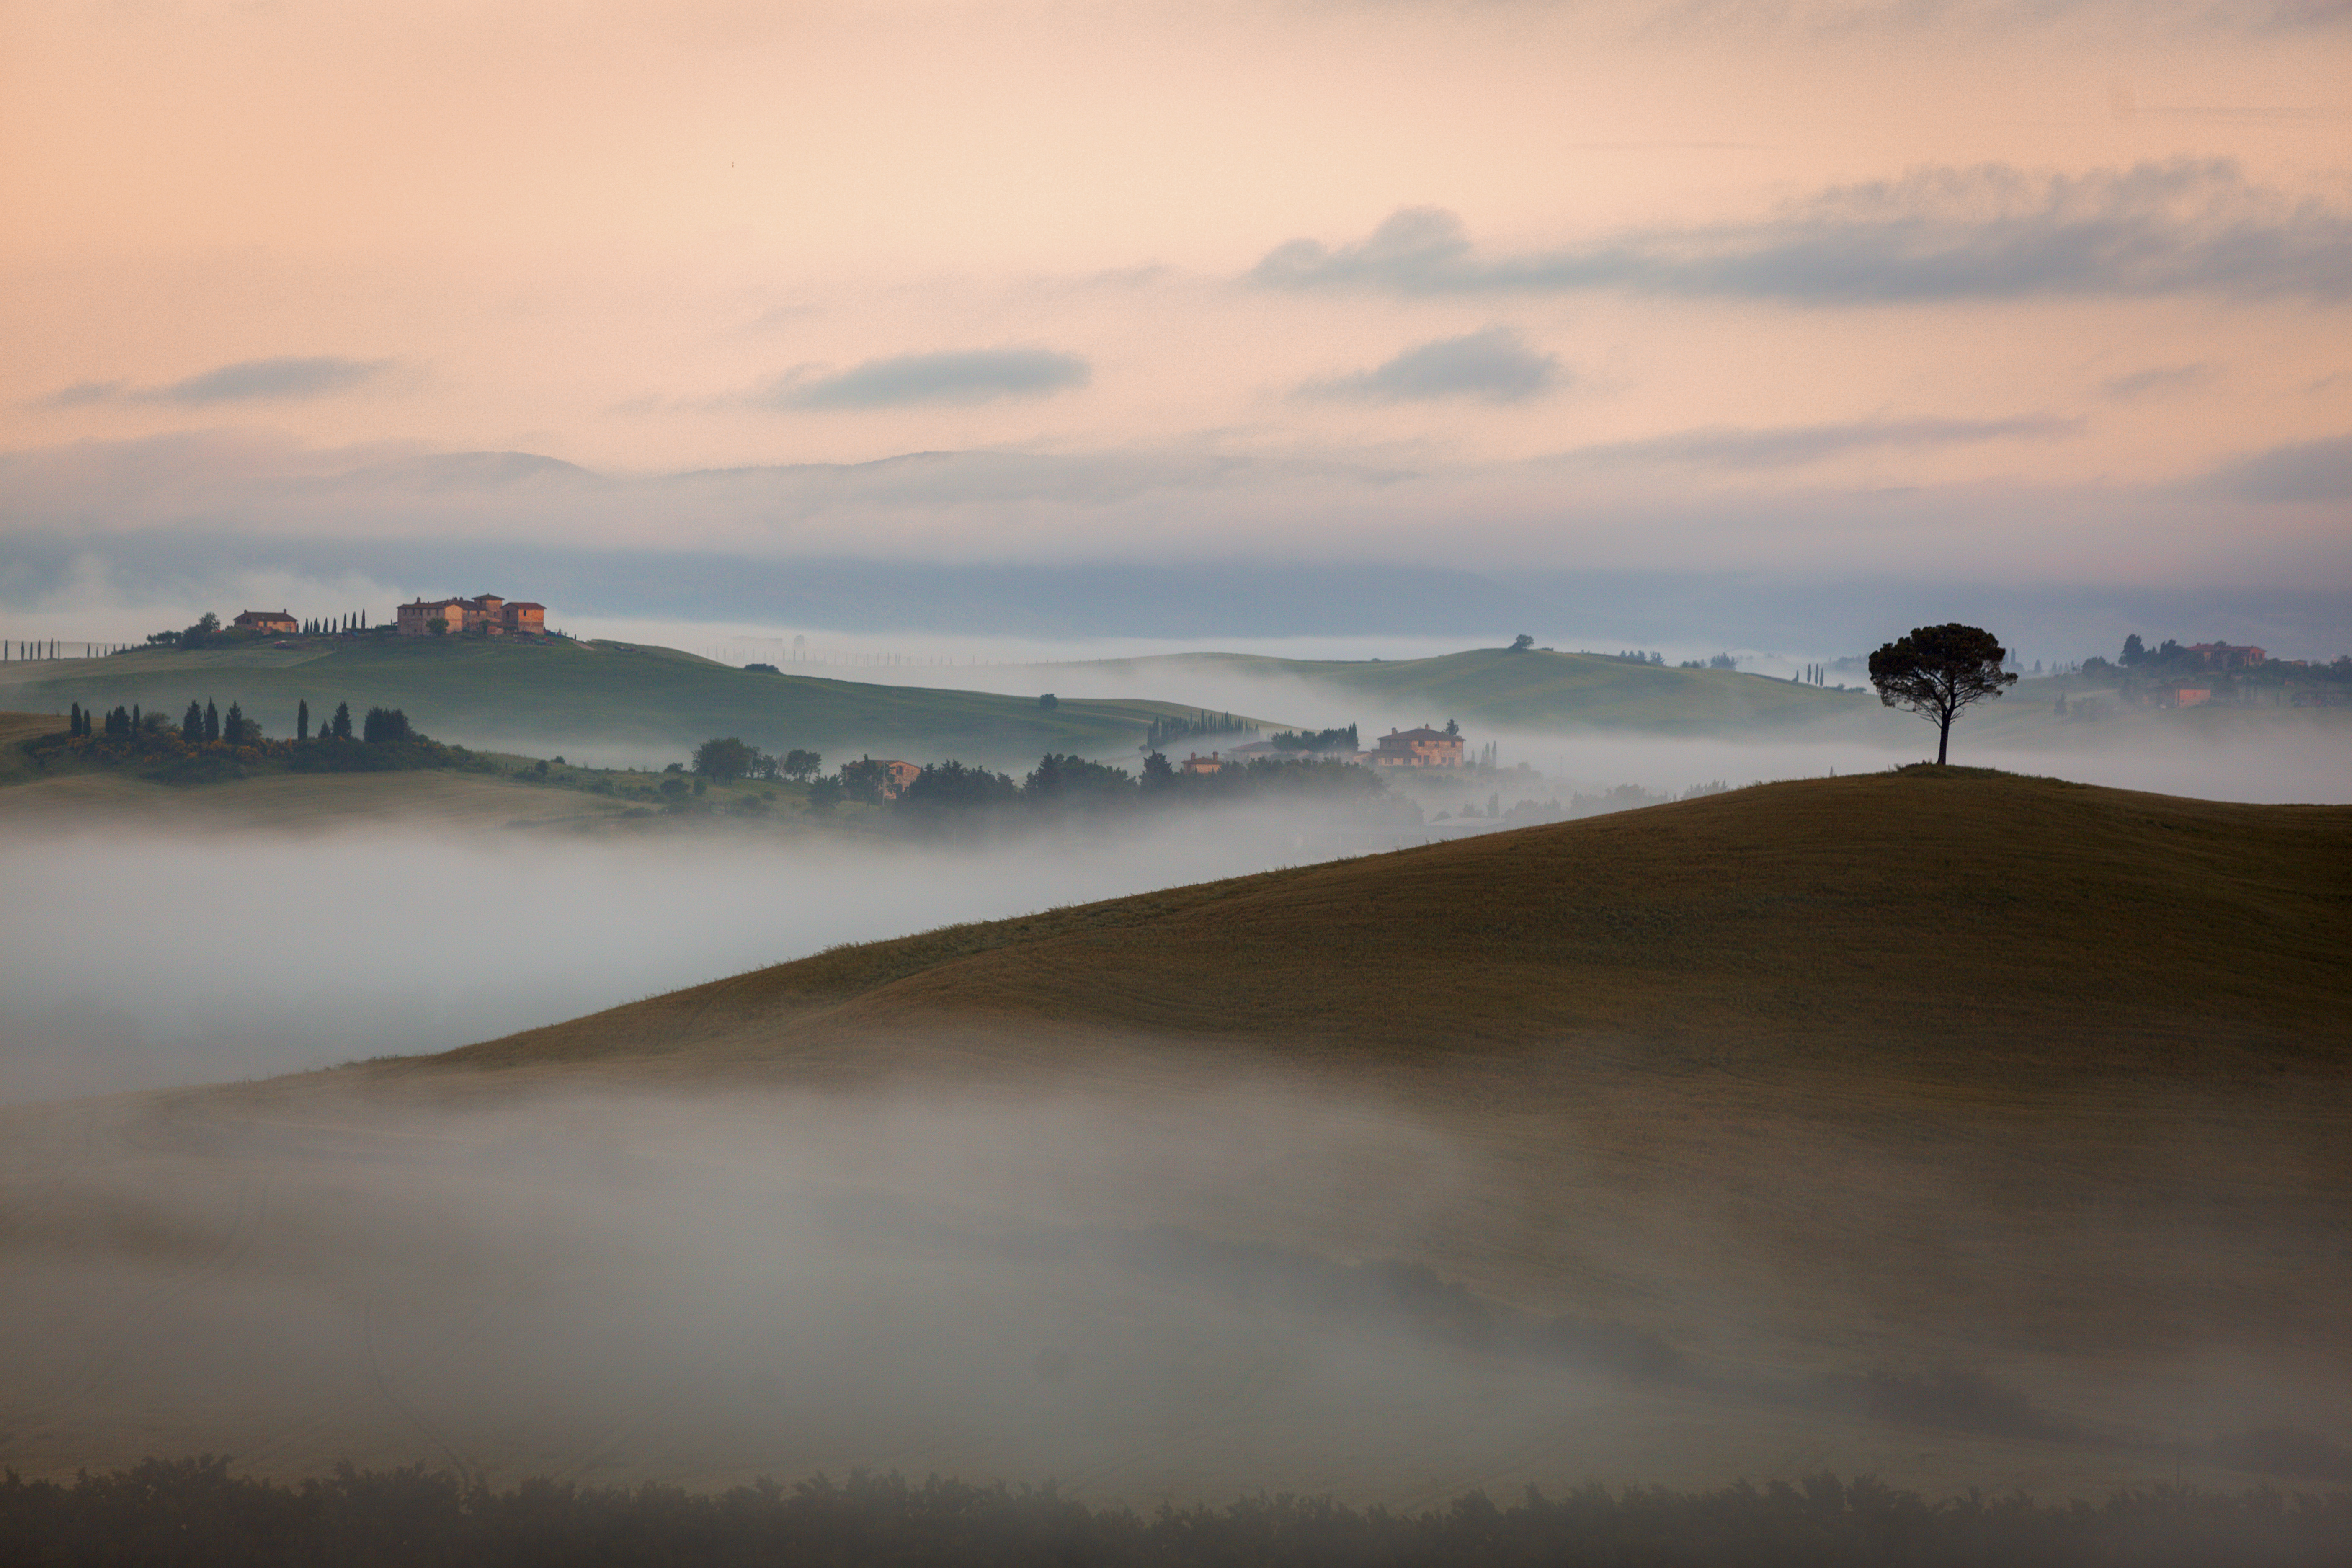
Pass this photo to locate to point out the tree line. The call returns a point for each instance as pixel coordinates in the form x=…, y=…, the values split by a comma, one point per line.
x=208, y=630
x=1199, y=725
x=188, y=1512
x=208, y=745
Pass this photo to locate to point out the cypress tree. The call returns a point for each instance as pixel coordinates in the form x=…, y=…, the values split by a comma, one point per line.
x=134, y=718
x=192, y=727
x=342, y=725
x=212, y=720
x=303, y=720
x=73, y=721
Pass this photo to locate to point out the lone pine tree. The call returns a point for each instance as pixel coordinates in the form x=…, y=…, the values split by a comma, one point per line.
x=1936, y=671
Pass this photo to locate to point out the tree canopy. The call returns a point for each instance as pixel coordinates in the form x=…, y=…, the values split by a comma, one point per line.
x=1936, y=671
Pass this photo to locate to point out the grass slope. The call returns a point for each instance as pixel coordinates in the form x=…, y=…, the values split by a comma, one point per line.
x=1926, y=914
x=571, y=694
x=1537, y=689
x=1937, y=1069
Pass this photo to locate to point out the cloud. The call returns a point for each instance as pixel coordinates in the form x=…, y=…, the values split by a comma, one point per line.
x=1495, y=365
x=83, y=394
x=1987, y=233
x=2159, y=381
x=1791, y=446
x=2304, y=471
x=258, y=379
x=978, y=375
x=247, y=381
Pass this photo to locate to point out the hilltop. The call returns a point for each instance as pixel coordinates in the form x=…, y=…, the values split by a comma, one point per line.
x=557, y=695
x=1929, y=915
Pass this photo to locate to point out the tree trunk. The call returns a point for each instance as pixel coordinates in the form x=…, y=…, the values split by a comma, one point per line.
x=1944, y=738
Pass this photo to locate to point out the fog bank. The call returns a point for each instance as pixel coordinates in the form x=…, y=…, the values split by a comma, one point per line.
x=142, y=957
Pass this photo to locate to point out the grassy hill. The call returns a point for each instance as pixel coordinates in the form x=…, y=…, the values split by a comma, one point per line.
x=1538, y=689
x=1933, y=1068
x=556, y=694
x=1930, y=917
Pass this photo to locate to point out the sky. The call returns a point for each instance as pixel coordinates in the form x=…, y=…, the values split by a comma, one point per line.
x=2052, y=296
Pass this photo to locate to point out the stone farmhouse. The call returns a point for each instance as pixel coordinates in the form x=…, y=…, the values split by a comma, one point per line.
x=2223, y=656
x=1421, y=748
x=277, y=623
x=487, y=614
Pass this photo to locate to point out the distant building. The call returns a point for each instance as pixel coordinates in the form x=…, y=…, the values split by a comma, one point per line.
x=1200, y=765
x=1421, y=748
x=2183, y=695
x=2222, y=656
x=896, y=776
x=276, y=623
x=487, y=614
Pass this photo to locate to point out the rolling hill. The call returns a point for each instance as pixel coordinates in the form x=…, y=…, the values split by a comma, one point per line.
x=1938, y=1067
x=1953, y=1128
x=559, y=694
x=1930, y=916
x=1490, y=687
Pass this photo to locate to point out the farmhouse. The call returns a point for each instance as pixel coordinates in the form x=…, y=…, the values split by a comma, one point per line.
x=896, y=776
x=2222, y=656
x=1421, y=748
x=487, y=614
x=277, y=623
x=1196, y=763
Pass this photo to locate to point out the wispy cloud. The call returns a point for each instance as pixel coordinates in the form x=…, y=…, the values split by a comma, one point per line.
x=1493, y=365
x=2159, y=380
x=968, y=376
x=1987, y=233
x=1794, y=444
x=247, y=381
x=2303, y=471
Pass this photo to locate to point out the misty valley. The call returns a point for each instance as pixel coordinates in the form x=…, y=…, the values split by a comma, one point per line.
x=1486, y=1138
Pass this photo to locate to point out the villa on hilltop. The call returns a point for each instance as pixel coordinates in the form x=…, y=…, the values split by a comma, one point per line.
x=277, y=623
x=486, y=613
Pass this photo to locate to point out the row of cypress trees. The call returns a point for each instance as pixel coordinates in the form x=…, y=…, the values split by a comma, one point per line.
x=203, y=723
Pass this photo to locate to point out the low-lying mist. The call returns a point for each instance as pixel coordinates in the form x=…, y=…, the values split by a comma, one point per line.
x=1154, y=1275
x=139, y=957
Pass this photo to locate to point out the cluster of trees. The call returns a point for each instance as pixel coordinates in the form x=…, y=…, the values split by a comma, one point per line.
x=2171, y=656
x=170, y=1513
x=1720, y=661
x=335, y=626
x=208, y=745
x=1200, y=726
x=1637, y=656
x=1063, y=783
x=1318, y=739
x=726, y=759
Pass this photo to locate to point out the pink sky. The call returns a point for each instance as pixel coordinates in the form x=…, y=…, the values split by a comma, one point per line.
x=2074, y=265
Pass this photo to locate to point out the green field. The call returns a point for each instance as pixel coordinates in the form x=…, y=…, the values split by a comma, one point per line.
x=553, y=696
